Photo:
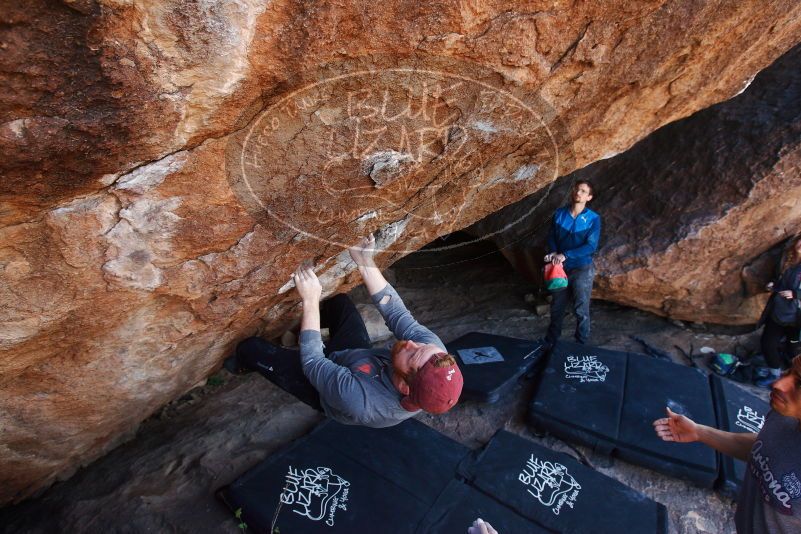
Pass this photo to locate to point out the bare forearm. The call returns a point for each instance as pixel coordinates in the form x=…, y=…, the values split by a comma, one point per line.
x=373, y=279
x=311, y=315
x=736, y=444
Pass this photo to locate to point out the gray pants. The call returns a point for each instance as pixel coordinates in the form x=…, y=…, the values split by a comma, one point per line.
x=579, y=290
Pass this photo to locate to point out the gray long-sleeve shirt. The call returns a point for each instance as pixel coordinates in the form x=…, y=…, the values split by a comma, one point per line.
x=355, y=385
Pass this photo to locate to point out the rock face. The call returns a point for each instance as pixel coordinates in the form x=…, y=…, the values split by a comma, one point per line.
x=164, y=479
x=695, y=215
x=167, y=164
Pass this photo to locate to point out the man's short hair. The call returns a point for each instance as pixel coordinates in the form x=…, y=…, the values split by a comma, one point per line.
x=587, y=183
x=444, y=360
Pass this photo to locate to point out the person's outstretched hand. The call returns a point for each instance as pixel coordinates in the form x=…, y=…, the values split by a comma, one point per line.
x=363, y=252
x=307, y=283
x=676, y=427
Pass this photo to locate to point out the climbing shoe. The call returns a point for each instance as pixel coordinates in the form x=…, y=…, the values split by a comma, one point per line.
x=234, y=366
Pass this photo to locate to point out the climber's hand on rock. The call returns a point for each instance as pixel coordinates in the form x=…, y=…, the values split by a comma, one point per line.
x=307, y=283
x=363, y=252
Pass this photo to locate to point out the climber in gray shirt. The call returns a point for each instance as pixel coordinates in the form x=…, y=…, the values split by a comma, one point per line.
x=347, y=379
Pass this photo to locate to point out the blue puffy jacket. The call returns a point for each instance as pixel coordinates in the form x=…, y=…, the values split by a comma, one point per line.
x=576, y=238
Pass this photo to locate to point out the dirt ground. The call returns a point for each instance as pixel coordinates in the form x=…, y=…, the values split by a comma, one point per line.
x=164, y=478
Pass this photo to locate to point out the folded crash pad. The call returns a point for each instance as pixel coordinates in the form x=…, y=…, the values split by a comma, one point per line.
x=492, y=364
x=608, y=400
x=559, y=493
x=344, y=478
x=738, y=410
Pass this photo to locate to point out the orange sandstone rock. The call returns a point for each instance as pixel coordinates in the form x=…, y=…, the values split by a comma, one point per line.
x=166, y=165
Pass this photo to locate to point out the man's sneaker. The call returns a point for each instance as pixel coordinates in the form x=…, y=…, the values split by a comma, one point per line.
x=258, y=353
x=234, y=366
x=764, y=377
x=289, y=339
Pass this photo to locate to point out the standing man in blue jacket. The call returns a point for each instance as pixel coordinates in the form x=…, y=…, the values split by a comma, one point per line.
x=572, y=242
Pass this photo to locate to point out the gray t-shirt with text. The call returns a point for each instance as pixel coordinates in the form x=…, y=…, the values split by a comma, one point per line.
x=770, y=497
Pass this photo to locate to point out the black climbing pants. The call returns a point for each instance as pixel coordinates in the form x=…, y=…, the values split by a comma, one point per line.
x=579, y=290
x=282, y=367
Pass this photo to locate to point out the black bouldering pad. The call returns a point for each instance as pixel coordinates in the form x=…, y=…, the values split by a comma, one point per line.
x=411, y=454
x=313, y=488
x=461, y=504
x=492, y=364
x=580, y=395
x=344, y=478
x=652, y=385
x=559, y=493
x=737, y=411
x=609, y=399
